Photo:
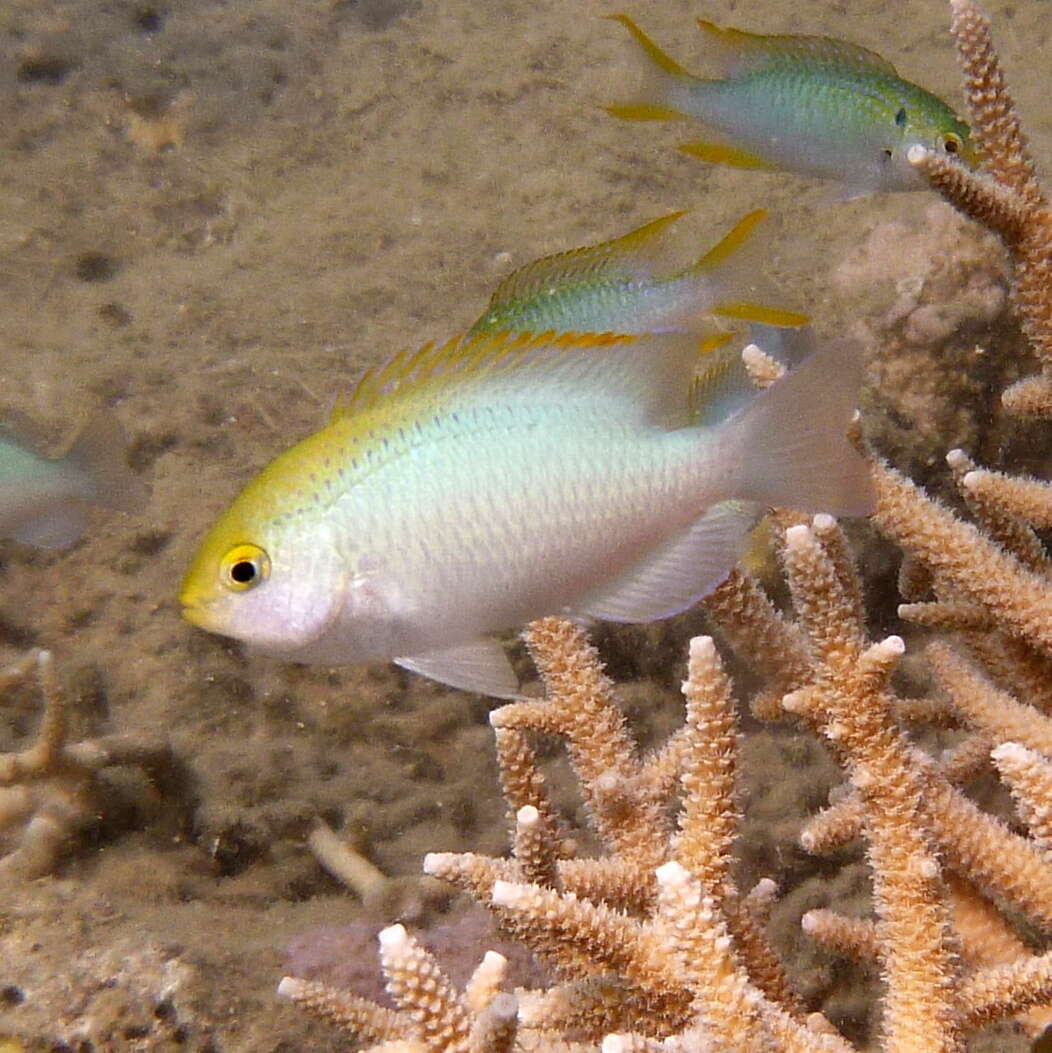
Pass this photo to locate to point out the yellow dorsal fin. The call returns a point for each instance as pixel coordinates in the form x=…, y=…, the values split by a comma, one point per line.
x=629, y=256
x=661, y=58
x=461, y=362
x=743, y=52
x=724, y=154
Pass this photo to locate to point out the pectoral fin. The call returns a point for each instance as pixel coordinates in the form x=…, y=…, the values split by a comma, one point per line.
x=683, y=570
x=478, y=665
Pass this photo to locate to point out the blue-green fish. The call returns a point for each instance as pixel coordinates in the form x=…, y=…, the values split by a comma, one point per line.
x=44, y=501
x=473, y=486
x=619, y=286
x=810, y=105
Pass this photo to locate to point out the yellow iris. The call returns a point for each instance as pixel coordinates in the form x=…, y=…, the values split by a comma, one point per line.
x=244, y=567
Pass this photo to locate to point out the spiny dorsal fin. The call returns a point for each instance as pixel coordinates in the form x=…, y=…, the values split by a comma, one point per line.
x=463, y=361
x=743, y=52
x=629, y=256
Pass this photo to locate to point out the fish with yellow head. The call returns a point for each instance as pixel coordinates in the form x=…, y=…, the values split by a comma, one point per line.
x=473, y=486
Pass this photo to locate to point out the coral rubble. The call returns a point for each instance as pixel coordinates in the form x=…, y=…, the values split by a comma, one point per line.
x=49, y=791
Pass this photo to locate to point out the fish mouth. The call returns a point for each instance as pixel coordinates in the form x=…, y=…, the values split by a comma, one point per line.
x=199, y=615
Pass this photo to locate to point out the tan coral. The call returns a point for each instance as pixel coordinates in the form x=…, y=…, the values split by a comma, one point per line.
x=1005, y=197
x=430, y=1016
x=675, y=966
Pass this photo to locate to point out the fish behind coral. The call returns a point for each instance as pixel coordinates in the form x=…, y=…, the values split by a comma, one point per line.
x=477, y=485
x=619, y=286
x=45, y=501
x=811, y=105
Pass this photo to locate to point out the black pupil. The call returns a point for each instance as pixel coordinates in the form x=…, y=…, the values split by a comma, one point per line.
x=243, y=571
x=951, y=146
x=900, y=118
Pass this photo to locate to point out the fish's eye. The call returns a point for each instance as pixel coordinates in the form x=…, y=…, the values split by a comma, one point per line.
x=952, y=144
x=244, y=567
x=900, y=117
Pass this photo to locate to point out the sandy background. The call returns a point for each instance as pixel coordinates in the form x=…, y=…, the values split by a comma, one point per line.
x=212, y=217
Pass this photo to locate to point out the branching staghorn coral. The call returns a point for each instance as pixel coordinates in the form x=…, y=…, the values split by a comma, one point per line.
x=48, y=791
x=652, y=940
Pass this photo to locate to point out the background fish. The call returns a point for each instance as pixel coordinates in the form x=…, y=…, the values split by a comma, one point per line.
x=474, y=486
x=617, y=286
x=45, y=501
x=811, y=105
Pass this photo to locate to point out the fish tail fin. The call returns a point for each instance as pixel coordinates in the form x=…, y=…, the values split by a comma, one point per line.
x=789, y=447
x=731, y=280
x=59, y=527
x=100, y=452
x=662, y=76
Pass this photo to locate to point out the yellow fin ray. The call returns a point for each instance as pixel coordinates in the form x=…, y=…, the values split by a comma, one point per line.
x=648, y=375
x=722, y=254
x=455, y=359
x=731, y=242
x=761, y=313
x=710, y=344
x=720, y=386
x=724, y=154
x=645, y=111
x=629, y=256
x=661, y=58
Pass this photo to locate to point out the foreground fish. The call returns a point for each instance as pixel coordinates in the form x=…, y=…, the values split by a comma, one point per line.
x=617, y=287
x=811, y=105
x=44, y=502
x=476, y=485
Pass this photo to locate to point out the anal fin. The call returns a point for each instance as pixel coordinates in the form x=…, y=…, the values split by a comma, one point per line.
x=477, y=665
x=749, y=311
x=644, y=111
x=724, y=154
